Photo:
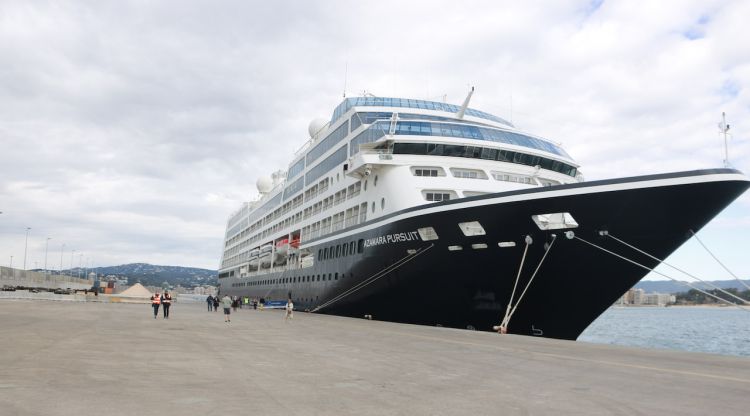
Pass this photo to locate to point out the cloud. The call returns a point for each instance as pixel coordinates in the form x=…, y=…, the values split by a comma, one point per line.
x=129, y=131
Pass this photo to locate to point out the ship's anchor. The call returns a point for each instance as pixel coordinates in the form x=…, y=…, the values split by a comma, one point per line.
x=511, y=308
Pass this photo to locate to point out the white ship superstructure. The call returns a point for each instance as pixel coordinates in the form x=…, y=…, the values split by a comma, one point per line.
x=380, y=155
x=431, y=213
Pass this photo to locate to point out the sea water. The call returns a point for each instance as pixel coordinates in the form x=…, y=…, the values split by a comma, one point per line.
x=716, y=330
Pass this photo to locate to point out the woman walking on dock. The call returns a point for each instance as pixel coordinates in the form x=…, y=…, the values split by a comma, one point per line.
x=155, y=302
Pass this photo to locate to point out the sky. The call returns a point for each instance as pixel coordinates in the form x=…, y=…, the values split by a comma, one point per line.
x=129, y=131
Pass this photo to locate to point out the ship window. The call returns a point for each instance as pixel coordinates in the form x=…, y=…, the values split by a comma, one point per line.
x=338, y=250
x=351, y=247
x=329, y=276
x=471, y=228
x=479, y=246
x=360, y=245
x=336, y=276
x=318, y=278
x=382, y=203
x=373, y=207
x=427, y=234
x=425, y=172
x=345, y=250
x=455, y=248
x=505, y=244
x=437, y=196
x=365, y=185
x=555, y=221
x=375, y=182
x=468, y=173
x=325, y=253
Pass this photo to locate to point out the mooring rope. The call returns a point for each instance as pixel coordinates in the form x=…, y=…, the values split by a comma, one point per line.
x=503, y=327
x=659, y=273
x=718, y=261
x=605, y=233
x=374, y=277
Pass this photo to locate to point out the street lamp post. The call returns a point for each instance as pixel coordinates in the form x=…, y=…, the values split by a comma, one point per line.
x=80, y=264
x=62, y=249
x=46, y=248
x=26, y=245
x=70, y=272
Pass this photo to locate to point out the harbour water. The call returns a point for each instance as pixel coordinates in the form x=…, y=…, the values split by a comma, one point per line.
x=716, y=330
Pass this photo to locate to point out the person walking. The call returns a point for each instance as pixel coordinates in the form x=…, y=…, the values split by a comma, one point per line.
x=216, y=303
x=210, y=302
x=166, y=301
x=226, y=302
x=289, y=310
x=155, y=301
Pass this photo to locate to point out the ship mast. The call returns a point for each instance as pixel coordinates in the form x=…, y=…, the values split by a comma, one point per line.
x=724, y=129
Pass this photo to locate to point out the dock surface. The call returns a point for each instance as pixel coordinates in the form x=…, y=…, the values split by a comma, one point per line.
x=84, y=358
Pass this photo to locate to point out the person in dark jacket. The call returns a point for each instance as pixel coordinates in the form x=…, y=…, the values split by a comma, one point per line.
x=216, y=303
x=166, y=302
x=210, y=302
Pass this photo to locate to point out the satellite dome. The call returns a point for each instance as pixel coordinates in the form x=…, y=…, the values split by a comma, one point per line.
x=264, y=184
x=316, y=126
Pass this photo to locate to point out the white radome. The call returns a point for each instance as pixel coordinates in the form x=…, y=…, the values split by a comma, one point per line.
x=264, y=184
x=316, y=126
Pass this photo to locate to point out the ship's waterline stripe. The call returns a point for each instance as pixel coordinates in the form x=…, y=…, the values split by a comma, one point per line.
x=607, y=187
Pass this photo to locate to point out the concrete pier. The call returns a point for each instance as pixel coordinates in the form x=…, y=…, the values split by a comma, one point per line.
x=83, y=358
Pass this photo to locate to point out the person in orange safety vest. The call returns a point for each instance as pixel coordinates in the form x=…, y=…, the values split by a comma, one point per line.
x=155, y=301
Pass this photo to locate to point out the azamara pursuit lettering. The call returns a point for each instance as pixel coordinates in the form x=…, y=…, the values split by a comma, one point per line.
x=392, y=238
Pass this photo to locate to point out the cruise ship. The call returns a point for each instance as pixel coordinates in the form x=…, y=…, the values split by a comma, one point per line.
x=431, y=213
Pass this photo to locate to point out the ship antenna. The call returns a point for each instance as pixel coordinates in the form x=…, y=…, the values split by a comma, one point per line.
x=346, y=73
x=460, y=114
x=724, y=129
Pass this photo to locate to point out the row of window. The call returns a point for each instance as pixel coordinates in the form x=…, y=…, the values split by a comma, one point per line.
x=475, y=152
x=424, y=128
x=296, y=169
x=326, y=144
x=335, y=159
x=293, y=280
x=341, y=250
x=231, y=255
x=293, y=188
x=370, y=117
x=348, y=103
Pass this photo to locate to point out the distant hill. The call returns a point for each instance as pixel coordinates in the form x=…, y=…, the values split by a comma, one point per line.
x=153, y=275
x=669, y=286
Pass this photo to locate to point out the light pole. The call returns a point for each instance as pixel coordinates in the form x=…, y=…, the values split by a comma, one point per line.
x=80, y=263
x=26, y=245
x=11, y=262
x=46, y=248
x=62, y=249
x=70, y=272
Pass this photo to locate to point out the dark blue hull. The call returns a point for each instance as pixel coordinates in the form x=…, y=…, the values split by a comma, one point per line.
x=394, y=275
